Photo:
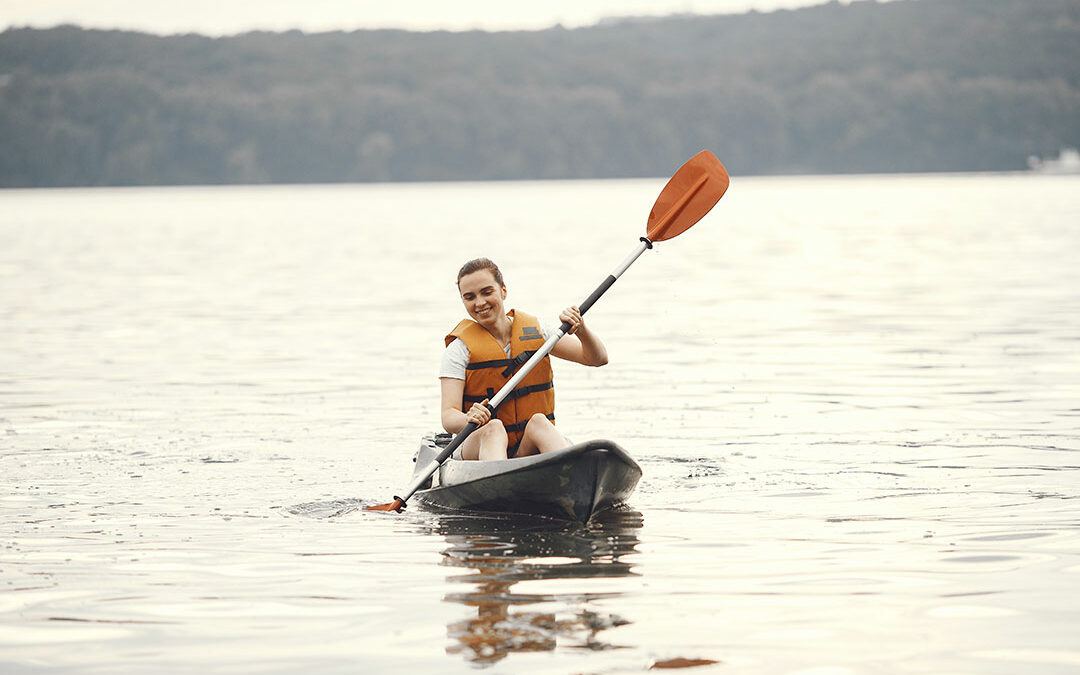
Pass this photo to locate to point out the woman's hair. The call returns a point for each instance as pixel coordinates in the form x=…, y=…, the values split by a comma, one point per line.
x=478, y=264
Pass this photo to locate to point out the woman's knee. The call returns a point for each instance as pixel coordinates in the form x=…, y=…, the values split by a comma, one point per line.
x=541, y=435
x=494, y=427
x=540, y=418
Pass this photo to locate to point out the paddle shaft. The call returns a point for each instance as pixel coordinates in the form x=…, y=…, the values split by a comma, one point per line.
x=526, y=368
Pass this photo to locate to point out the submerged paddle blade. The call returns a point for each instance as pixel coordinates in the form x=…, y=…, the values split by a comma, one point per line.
x=688, y=196
x=395, y=505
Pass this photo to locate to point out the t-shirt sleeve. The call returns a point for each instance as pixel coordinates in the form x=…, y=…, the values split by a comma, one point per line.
x=454, y=359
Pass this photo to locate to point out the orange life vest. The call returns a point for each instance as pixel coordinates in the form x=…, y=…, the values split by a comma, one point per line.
x=489, y=369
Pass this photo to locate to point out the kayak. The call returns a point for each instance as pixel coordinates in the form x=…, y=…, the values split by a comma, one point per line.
x=574, y=483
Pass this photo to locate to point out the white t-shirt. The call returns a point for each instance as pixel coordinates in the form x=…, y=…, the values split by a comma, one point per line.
x=456, y=355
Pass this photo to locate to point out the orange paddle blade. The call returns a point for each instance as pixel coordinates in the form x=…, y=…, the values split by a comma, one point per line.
x=395, y=505
x=692, y=191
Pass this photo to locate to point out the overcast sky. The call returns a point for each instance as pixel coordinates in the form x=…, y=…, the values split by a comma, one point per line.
x=225, y=17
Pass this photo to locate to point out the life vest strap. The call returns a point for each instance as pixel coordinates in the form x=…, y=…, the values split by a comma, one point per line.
x=517, y=393
x=517, y=362
x=509, y=365
x=496, y=363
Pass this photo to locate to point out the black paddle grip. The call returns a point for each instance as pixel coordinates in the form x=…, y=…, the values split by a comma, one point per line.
x=600, y=290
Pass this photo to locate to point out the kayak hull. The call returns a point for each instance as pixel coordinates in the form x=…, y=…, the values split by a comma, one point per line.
x=574, y=483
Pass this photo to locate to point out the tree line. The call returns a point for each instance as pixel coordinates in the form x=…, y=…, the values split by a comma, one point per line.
x=906, y=86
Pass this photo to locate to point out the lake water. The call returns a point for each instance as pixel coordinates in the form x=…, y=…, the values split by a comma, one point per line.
x=856, y=401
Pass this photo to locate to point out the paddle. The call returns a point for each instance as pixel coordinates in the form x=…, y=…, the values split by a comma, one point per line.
x=688, y=196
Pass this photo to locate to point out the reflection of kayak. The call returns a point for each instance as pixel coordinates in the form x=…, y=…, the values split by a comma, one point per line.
x=572, y=484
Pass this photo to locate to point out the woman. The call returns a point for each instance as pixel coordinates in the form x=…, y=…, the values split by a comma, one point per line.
x=483, y=352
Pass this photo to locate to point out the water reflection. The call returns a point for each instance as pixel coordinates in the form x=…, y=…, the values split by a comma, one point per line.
x=500, y=552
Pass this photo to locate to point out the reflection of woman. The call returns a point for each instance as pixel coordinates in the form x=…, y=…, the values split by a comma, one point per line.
x=483, y=352
x=556, y=609
x=495, y=631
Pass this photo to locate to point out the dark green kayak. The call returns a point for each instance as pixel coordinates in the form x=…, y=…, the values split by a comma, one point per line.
x=574, y=483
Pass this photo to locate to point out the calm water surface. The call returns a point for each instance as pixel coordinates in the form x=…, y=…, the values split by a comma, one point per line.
x=856, y=401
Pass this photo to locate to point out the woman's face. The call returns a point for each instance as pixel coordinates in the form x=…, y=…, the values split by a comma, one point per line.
x=483, y=297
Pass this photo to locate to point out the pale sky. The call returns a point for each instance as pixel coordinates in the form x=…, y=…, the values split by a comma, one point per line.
x=225, y=17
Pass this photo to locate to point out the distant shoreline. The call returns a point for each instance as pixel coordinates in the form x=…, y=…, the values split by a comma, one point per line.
x=901, y=87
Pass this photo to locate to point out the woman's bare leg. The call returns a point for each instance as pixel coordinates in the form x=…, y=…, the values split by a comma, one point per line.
x=540, y=436
x=487, y=442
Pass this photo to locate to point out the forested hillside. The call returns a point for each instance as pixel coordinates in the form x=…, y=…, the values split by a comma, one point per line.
x=912, y=85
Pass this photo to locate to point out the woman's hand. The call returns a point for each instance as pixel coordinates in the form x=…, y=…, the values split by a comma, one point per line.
x=478, y=414
x=585, y=347
x=572, y=316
